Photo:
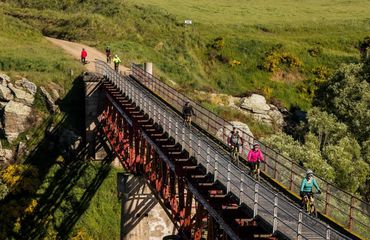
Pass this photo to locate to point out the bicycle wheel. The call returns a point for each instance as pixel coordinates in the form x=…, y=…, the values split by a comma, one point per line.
x=313, y=211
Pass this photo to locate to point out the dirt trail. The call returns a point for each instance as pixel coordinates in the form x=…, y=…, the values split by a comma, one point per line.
x=74, y=49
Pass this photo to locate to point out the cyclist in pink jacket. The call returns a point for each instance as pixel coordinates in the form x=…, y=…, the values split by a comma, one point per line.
x=255, y=156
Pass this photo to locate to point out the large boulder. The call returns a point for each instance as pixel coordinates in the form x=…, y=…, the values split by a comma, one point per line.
x=255, y=103
x=257, y=107
x=16, y=119
x=5, y=93
x=21, y=95
x=27, y=85
x=4, y=79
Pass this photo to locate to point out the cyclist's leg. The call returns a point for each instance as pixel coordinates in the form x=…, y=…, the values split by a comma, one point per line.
x=252, y=168
x=305, y=202
x=237, y=154
x=313, y=211
x=258, y=171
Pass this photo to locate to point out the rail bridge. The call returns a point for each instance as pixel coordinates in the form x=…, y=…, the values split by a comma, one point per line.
x=190, y=169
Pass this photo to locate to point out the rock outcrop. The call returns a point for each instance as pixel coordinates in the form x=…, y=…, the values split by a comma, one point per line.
x=4, y=79
x=21, y=96
x=15, y=119
x=5, y=93
x=49, y=100
x=260, y=110
x=27, y=85
x=243, y=129
x=15, y=102
x=6, y=156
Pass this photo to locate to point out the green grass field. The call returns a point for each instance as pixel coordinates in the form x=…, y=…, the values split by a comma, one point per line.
x=153, y=30
x=313, y=13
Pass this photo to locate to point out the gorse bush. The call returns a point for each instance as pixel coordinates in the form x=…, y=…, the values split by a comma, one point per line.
x=20, y=178
x=275, y=61
x=315, y=51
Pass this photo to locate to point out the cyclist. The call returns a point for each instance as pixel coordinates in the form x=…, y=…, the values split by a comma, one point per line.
x=306, y=187
x=187, y=112
x=234, y=141
x=255, y=156
x=83, y=56
x=116, y=62
x=108, y=54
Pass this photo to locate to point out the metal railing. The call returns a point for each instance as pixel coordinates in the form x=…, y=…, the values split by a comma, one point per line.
x=274, y=208
x=346, y=209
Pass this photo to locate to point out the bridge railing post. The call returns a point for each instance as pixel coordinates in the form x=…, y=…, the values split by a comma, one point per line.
x=208, y=158
x=275, y=222
x=198, y=152
x=327, y=232
x=183, y=137
x=176, y=132
x=299, y=227
x=216, y=168
x=155, y=113
x=170, y=126
x=255, y=207
x=190, y=144
x=228, y=177
x=241, y=188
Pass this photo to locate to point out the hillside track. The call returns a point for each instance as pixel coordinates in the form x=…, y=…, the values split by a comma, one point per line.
x=74, y=49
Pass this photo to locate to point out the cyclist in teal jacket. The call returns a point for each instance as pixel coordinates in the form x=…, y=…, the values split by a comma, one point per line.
x=307, y=184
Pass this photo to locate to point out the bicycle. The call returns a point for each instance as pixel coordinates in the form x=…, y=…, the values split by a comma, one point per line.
x=255, y=170
x=187, y=120
x=309, y=203
x=235, y=153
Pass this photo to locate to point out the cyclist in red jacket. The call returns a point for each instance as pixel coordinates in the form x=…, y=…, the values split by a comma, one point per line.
x=83, y=56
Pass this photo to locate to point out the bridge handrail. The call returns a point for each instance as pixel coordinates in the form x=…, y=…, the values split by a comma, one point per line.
x=160, y=113
x=353, y=210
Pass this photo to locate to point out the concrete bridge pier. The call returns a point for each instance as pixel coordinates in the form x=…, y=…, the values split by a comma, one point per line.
x=93, y=107
x=142, y=217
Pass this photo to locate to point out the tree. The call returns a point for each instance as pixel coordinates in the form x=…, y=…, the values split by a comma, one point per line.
x=347, y=96
x=350, y=170
x=325, y=126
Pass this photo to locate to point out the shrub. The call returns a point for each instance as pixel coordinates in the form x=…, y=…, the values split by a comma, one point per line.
x=218, y=43
x=315, y=51
x=20, y=177
x=234, y=63
x=321, y=72
x=275, y=61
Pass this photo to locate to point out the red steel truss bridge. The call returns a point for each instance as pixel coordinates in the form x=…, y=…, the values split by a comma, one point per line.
x=190, y=170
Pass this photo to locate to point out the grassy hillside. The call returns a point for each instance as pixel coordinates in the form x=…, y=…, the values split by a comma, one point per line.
x=50, y=196
x=320, y=35
x=264, y=12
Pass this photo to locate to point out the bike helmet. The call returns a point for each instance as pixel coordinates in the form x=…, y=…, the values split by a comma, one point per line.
x=256, y=144
x=309, y=172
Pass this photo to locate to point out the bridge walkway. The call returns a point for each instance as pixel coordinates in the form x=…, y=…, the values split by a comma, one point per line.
x=282, y=215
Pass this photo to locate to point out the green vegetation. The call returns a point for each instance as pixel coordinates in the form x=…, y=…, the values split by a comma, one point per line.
x=319, y=34
x=46, y=196
x=287, y=50
x=72, y=200
x=336, y=136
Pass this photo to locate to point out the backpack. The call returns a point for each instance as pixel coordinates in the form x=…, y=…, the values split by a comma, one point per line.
x=234, y=138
